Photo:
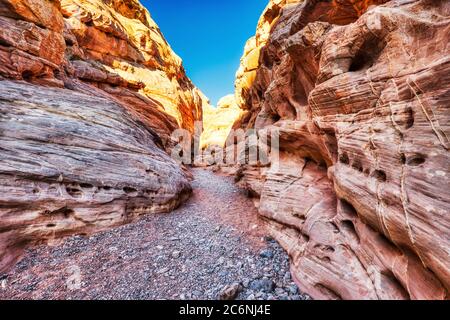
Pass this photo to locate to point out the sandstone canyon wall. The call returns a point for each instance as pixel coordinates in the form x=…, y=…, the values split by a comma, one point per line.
x=359, y=94
x=89, y=94
x=217, y=122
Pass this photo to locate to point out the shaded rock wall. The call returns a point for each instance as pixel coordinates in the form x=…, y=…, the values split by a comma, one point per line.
x=358, y=92
x=75, y=163
x=113, y=46
x=250, y=61
x=89, y=94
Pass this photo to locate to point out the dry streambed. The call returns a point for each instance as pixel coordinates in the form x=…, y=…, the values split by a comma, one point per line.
x=212, y=247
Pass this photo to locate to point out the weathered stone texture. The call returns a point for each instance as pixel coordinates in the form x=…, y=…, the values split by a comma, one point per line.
x=218, y=121
x=90, y=92
x=359, y=92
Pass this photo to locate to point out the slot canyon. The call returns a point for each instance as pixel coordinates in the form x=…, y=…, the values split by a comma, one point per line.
x=353, y=204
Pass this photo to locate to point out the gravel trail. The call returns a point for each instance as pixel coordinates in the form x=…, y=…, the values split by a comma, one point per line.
x=212, y=247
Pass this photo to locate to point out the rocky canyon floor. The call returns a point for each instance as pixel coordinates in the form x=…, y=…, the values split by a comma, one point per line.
x=208, y=248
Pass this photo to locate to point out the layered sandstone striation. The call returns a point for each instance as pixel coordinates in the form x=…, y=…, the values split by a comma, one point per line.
x=113, y=46
x=89, y=94
x=75, y=163
x=218, y=122
x=250, y=61
x=358, y=93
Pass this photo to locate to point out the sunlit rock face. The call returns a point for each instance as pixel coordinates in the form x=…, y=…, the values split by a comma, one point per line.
x=75, y=163
x=89, y=94
x=359, y=93
x=217, y=122
x=113, y=46
x=250, y=60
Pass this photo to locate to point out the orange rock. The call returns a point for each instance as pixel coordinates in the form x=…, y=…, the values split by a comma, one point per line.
x=358, y=94
x=89, y=154
x=31, y=41
x=217, y=122
x=119, y=37
x=44, y=14
x=246, y=73
x=75, y=163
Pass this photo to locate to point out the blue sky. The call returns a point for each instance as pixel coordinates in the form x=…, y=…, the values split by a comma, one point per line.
x=209, y=35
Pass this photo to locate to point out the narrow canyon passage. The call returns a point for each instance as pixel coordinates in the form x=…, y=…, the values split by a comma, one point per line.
x=337, y=126
x=213, y=241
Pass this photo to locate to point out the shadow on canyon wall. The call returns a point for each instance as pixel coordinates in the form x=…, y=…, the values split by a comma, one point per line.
x=358, y=92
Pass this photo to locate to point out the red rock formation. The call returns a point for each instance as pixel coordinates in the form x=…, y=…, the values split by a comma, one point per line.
x=96, y=92
x=218, y=121
x=111, y=45
x=359, y=96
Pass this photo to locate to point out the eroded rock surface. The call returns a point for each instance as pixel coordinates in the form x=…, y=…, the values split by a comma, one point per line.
x=217, y=122
x=213, y=243
x=113, y=46
x=359, y=94
x=73, y=163
x=89, y=94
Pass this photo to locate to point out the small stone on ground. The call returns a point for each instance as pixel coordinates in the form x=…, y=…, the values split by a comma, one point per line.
x=209, y=248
